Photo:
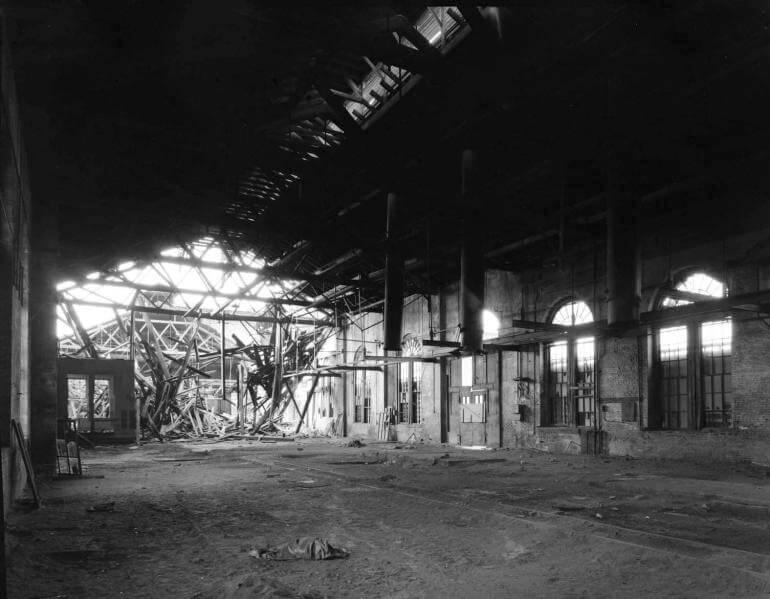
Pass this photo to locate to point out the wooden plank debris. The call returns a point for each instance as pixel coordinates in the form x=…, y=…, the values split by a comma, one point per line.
x=173, y=398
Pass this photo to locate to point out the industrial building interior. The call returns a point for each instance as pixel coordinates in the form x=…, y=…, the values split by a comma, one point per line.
x=385, y=300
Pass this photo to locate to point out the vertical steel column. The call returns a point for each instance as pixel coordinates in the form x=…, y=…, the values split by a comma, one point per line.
x=239, y=399
x=132, y=357
x=222, y=357
x=3, y=561
x=344, y=382
x=624, y=285
x=471, y=258
x=394, y=278
x=623, y=272
x=278, y=359
x=131, y=327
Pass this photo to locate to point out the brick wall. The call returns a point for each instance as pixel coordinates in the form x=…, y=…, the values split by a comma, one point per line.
x=751, y=374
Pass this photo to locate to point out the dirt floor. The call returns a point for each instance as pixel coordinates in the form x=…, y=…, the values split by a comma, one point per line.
x=424, y=521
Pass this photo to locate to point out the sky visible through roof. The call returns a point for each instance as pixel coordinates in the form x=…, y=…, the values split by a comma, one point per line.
x=212, y=280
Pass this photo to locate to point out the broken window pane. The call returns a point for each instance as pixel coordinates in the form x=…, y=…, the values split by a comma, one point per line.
x=77, y=396
x=103, y=394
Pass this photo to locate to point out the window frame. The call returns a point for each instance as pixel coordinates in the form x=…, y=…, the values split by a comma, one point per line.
x=565, y=410
x=409, y=390
x=362, y=398
x=91, y=419
x=695, y=363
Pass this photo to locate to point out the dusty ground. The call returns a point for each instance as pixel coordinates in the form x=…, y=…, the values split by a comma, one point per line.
x=418, y=522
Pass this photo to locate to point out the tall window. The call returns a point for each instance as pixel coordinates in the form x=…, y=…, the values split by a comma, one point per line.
x=674, y=373
x=571, y=371
x=409, y=394
x=362, y=392
x=694, y=362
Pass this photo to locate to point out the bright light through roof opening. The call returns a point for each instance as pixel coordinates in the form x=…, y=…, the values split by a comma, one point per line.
x=216, y=287
x=491, y=325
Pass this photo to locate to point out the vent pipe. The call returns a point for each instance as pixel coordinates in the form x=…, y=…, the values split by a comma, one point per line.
x=394, y=277
x=624, y=284
x=471, y=258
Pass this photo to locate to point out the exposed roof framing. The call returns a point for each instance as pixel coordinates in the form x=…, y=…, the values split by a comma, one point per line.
x=284, y=134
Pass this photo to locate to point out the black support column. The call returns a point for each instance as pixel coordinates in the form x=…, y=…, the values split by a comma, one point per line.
x=624, y=283
x=471, y=258
x=394, y=278
x=43, y=339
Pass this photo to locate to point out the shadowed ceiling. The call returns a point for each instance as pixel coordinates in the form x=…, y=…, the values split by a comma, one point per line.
x=148, y=123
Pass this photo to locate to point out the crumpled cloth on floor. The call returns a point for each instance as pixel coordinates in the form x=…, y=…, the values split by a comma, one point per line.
x=302, y=548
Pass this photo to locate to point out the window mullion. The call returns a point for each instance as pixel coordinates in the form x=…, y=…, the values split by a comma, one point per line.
x=410, y=391
x=91, y=415
x=571, y=382
x=694, y=370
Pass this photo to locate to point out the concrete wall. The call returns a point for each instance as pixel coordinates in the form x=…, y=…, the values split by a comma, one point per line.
x=14, y=282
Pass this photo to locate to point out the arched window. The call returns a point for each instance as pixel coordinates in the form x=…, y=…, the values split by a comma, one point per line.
x=697, y=283
x=571, y=369
x=693, y=374
x=572, y=313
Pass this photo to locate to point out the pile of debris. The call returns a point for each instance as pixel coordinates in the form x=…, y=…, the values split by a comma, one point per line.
x=169, y=391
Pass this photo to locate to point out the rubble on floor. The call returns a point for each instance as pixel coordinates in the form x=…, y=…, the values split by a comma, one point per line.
x=311, y=548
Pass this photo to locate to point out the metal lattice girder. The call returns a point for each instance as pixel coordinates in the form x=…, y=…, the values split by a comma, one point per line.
x=193, y=313
x=211, y=292
x=270, y=273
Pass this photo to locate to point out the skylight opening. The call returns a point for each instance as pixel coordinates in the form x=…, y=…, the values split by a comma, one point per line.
x=437, y=26
x=231, y=288
x=173, y=252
